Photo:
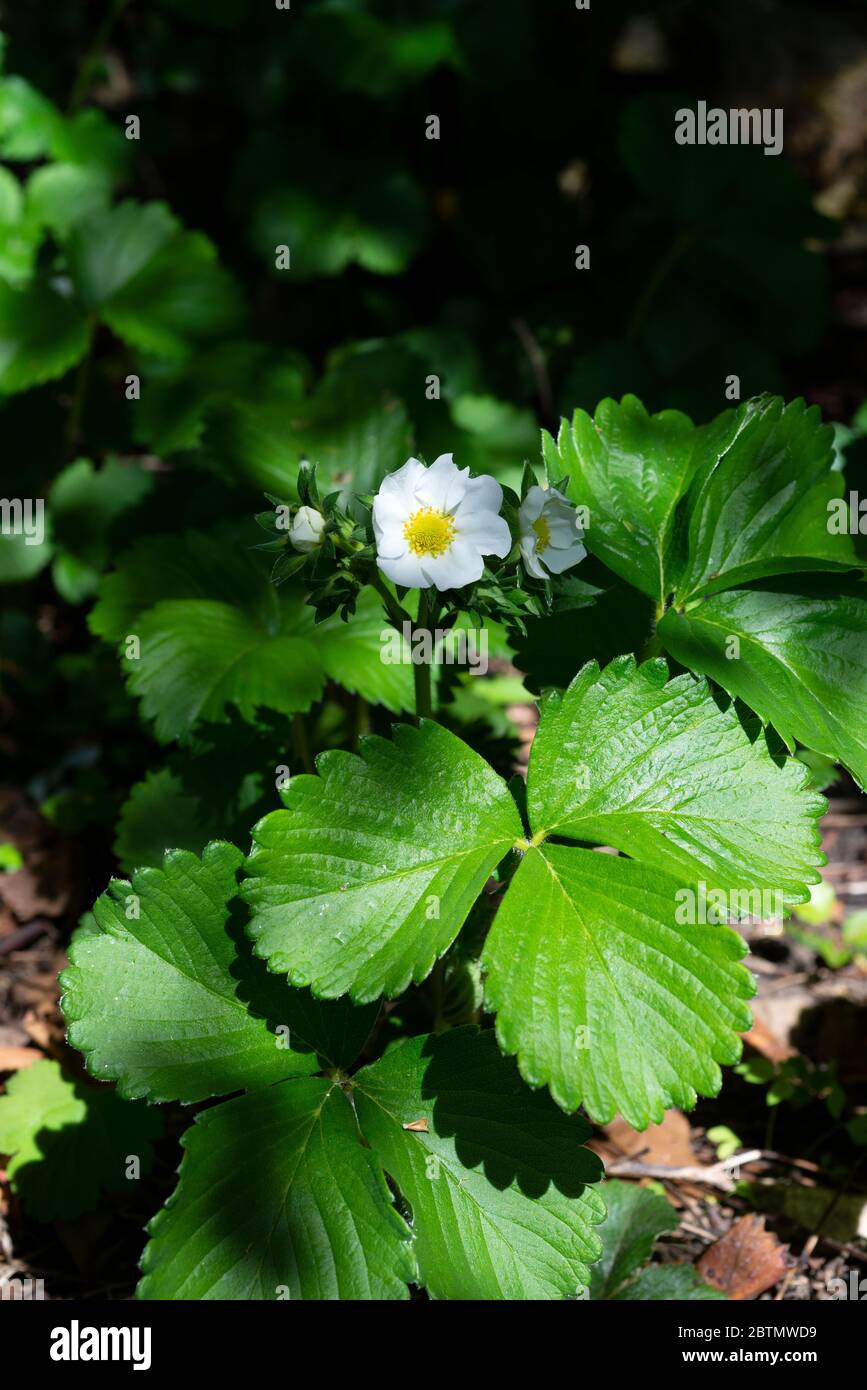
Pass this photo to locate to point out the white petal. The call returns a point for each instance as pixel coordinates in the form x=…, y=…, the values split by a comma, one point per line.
x=553, y=495
x=393, y=508
x=561, y=529
x=443, y=485
x=531, y=507
x=404, y=570
x=396, y=499
x=559, y=560
x=486, y=531
x=391, y=545
x=531, y=563
x=403, y=479
x=461, y=564
x=483, y=494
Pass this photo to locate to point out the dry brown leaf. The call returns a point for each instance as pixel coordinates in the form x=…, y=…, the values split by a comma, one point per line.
x=14, y=1058
x=40, y=890
x=746, y=1262
x=668, y=1143
x=766, y=1042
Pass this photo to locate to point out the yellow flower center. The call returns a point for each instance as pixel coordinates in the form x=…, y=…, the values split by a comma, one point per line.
x=543, y=535
x=429, y=532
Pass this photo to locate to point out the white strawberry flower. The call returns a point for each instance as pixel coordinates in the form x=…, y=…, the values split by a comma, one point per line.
x=434, y=525
x=305, y=533
x=550, y=533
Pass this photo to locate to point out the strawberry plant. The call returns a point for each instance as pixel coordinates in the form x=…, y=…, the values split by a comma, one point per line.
x=263, y=639
x=418, y=974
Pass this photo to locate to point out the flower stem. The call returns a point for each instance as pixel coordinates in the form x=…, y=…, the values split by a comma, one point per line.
x=653, y=646
x=422, y=670
x=397, y=615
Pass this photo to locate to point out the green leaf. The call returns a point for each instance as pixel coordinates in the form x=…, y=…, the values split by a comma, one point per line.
x=595, y=624
x=29, y=124
x=69, y=1142
x=86, y=501
x=602, y=986
x=354, y=433
x=214, y=633
x=194, y=565
x=20, y=235
x=667, y=1283
x=59, y=195
x=21, y=557
x=167, y=1002
x=630, y=469
x=155, y=286
x=182, y=297
x=160, y=815
x=635, y=1220
x=603, y=996
x=367, y=875
x=498, y=1181
x=758, y=505
x=112, y=247
x=498, y=436
x=198, y=656
x=42, y=335
x=170, y=416
x=279, y=1199
x=378, y=219
x=655, y=768
x=802, y=662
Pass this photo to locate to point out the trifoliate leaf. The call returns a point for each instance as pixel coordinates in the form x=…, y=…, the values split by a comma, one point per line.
x=70, y=1142
x=758, y=504
x=630, y=469
x=657, y=769
x=279, y=1199
x=603, y=996
x=42, y=335
x=795, y=651
x=499, y=1184
x=165, y=999
x=608, y=982
x=368, y=874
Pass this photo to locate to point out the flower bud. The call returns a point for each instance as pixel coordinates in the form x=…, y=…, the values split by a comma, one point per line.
x=306, y=530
